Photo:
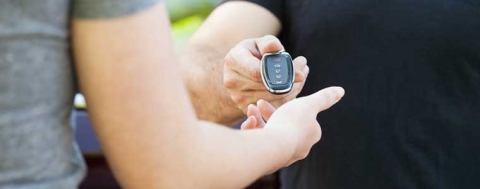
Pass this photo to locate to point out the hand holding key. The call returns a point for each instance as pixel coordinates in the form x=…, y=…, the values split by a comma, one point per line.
x=243, y=79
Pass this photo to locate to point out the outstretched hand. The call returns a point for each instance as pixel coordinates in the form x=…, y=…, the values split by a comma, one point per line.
x=295, y=119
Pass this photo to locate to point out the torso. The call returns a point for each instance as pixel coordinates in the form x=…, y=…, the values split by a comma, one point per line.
x=36, y=92
x=411, y=71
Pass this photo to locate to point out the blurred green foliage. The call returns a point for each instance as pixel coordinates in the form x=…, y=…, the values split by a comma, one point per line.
x=179, y=9
x=183, y=29
x=186, y=16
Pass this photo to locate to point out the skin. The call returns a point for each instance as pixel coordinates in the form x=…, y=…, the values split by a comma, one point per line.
x=146, y=124
x=204, y=56
x=231, y=79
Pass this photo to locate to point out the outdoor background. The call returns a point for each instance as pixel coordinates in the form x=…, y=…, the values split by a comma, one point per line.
x=186, y=16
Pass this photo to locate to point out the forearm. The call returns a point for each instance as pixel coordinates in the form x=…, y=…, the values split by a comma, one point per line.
x=143, y=117
x=191, y=155
x=240, y=158
x=202, y=66
x=203, y=57
x=158, y=143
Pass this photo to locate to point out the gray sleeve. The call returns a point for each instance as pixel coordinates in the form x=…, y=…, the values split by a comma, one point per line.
x=109, y=8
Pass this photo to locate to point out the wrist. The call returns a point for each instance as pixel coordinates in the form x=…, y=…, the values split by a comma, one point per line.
x=285, y=144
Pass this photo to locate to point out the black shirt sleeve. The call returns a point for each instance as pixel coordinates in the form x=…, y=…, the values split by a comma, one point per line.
x=274, y=6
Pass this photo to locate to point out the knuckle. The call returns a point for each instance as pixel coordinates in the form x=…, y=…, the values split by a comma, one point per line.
x=255, y=75
x=234, y=53
x=230, y=83
x=239, y=55
x=242, y=51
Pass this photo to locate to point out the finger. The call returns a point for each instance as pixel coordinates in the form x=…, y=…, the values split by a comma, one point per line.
x=255, y=112
x=241, y=60
x=249, y=123
x=323, y=99
x=298, y=86
x=269, y=43
x=251, y=45
x=300, y=72
x=266, y=109
x=234, y=81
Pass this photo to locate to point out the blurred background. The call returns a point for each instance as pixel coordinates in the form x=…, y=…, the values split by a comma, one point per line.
x=186, y=16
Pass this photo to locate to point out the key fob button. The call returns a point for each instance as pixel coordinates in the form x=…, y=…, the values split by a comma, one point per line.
x=277, y=69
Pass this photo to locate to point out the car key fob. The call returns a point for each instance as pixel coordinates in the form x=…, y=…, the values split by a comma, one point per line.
x=277, y=72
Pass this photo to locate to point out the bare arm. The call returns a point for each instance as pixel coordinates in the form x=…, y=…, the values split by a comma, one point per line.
x=203, y=57
x=144, y=120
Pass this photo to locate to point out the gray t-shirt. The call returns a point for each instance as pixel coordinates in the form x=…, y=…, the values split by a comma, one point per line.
x=37, y=149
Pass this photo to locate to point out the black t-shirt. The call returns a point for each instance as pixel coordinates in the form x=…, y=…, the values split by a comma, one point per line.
x=411, y=71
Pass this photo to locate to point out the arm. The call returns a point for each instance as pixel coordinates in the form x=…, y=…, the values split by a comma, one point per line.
x=203, y=57
x=146, y=125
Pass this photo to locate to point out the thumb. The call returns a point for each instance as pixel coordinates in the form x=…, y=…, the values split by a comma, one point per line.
x=323, y=99
x=269, y=43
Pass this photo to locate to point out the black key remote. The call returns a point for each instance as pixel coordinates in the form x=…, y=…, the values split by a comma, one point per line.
x=277, y=72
